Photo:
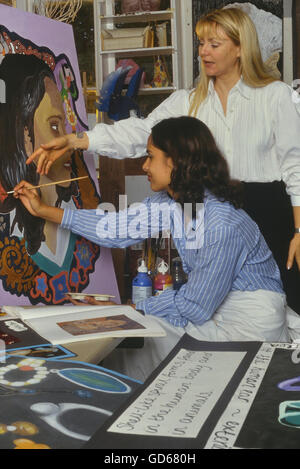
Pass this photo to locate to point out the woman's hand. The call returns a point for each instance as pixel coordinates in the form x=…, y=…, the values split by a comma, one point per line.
x=50, y=152
x=294, y=252
x=29, y=198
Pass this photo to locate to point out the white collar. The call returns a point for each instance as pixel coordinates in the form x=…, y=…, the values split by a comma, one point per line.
x=240, y=86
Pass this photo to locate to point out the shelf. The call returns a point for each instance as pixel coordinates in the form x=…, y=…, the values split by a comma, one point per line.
x=139, y=52
x=144, y=91
x=143, y=17
x=106, y=60
x=167, y=89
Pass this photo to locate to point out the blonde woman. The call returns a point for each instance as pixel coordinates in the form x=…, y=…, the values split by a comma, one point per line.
x=253, y=119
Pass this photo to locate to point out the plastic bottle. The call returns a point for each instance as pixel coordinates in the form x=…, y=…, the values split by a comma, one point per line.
x=178, y=274
x=141, y=284
x=162, y=279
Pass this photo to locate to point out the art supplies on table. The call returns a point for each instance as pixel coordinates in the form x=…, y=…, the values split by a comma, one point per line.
x=141, y=284
x=178, y=275
x=68, y=324
x=212, y=395
x=162, y=280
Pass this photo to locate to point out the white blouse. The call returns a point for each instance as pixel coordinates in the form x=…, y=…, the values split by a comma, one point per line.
x=259, y=135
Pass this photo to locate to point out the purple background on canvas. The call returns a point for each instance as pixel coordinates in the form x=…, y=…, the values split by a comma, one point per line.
x=59, y=38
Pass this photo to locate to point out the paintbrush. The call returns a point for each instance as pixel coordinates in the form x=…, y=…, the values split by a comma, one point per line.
x=52, y=183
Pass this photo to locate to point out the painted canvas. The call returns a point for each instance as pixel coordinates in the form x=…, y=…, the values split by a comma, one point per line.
x=41, y=98
x=56, y=404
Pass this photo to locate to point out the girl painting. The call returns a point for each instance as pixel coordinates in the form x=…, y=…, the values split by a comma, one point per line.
x=233, y=292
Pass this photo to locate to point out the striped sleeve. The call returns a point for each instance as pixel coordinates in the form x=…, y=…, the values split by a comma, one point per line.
x=114, y=229
x=109, y=229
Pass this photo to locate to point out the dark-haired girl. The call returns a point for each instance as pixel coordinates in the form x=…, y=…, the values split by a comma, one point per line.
x=234, y=291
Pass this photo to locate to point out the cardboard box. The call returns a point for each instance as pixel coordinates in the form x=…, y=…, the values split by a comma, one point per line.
x=126, y=38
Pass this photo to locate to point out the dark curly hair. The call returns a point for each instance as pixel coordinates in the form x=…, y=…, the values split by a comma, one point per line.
x=198, y=163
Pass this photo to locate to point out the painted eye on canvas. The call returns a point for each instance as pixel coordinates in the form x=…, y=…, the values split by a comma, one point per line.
x=55, y=127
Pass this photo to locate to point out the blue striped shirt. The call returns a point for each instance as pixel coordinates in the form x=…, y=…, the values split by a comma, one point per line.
x=231, y=256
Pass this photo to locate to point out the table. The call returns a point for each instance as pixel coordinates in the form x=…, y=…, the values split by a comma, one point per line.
x=89, y=351
x=92, y=351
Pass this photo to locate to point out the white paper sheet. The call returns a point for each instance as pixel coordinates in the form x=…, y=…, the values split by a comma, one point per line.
x=28, y=312
x=179, y=400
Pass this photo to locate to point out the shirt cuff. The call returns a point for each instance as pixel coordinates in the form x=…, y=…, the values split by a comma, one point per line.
x=160, y=305
x=92, y=140
x=295, y=200
x=67, y=220
x=141, y=306
x=100, y=144
x=168, y=313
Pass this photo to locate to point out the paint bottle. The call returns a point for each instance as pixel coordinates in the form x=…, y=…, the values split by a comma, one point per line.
x=141, y=284
x=178, y=274
x=162, y=280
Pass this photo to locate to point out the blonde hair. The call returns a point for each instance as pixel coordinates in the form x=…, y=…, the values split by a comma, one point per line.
x=240, y=29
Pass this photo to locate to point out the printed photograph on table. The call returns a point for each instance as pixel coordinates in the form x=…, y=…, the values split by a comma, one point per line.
x=56, y=404
x=40, y=262
x=106, y=324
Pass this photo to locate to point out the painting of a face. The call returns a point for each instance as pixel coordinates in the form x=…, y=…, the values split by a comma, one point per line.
x=102, y=324
x=49, y=123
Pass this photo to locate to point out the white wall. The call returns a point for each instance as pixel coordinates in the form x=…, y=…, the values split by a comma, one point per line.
x=137, y=188
x=186, y=34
